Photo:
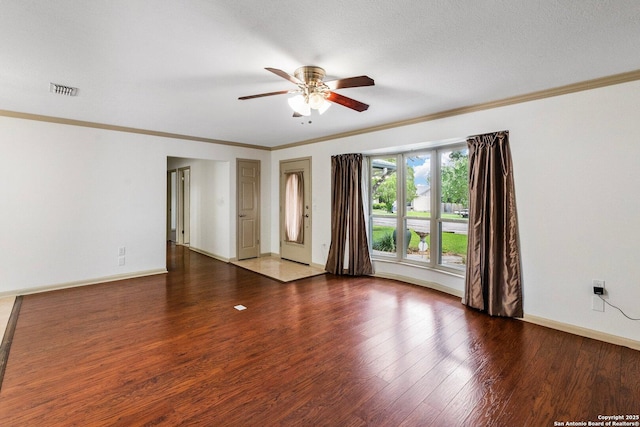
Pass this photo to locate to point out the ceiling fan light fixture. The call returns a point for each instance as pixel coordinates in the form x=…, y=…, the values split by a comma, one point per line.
x=299, y=105
x=324, y=107
x=316, y=100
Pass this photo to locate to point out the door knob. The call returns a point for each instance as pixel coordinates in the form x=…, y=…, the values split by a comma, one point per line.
x=242, y=216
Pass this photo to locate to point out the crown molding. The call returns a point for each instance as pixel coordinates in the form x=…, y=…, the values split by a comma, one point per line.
x=72, y=122
x=547, y=93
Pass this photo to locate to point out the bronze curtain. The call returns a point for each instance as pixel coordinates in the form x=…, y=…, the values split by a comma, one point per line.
x=493, y=282
x=347, y=217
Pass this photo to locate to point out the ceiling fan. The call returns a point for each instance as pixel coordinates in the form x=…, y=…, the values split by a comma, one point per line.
x=314, y=93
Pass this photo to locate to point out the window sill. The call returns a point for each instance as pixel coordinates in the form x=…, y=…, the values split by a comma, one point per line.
x=453, y=272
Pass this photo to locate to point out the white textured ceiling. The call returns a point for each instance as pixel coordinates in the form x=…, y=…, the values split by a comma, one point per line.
x=179, y=66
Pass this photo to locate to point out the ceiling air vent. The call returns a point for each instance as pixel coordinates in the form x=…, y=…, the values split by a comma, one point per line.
x=63, y=90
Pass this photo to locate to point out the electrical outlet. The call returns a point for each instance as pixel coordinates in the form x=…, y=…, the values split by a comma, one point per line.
x=121, y=261
x=598, y=287
x=597, y=304
x=122, y=251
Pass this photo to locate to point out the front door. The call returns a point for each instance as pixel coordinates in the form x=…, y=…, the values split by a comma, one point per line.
x=295, y=210
x=248, y=225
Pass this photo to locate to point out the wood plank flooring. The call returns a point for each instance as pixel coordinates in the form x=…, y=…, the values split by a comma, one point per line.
x=172, y=350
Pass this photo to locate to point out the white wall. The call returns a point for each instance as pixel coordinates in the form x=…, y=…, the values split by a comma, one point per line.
x=71, y=196
x=576, y=182
x=70, y=199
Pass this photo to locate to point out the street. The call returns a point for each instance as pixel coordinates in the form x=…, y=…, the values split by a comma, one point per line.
x=423, y=225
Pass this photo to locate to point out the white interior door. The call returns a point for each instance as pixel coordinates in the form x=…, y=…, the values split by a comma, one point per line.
x=295, y=210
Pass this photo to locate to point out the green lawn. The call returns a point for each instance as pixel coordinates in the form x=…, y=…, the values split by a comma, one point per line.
x=455, y=244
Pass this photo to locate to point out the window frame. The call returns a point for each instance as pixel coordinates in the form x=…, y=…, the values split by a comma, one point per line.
x=384, y=157
x=436, y=221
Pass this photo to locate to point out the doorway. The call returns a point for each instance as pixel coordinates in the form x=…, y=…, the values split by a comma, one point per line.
x=178, y=205
x=295, y=210
x=172, y=205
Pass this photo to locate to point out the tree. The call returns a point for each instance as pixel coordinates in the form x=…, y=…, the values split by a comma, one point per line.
x=379, y=177
x=455, y=179
x=385, y=191
x=384, y=187
x=412, y=190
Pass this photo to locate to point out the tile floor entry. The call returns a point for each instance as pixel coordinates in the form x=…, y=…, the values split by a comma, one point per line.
x=279, y=269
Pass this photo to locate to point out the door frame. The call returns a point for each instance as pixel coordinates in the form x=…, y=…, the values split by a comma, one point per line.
x=172, y=194
x=308, y=220
x=184, y=203
x=183, y=216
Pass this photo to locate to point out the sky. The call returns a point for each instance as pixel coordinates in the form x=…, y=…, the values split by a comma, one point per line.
x=421, y=168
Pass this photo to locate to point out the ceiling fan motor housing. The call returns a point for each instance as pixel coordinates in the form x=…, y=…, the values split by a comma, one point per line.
x=310, y=74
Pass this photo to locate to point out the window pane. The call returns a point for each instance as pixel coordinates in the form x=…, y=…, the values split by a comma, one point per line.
x=454, y=182
x=384, y=237
x=384, y=203
x=419, y=242
x=453, y=238
x=418, y=188
x=383, y=186
x=454, y=189
x=294, y=207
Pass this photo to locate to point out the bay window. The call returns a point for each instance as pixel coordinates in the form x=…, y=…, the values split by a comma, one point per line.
x=418, y=207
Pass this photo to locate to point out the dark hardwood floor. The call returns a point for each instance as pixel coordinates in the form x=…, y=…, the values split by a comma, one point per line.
x=172, y=350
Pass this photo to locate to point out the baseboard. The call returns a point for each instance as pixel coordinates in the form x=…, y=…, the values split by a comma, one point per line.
x=583, y=332
x=79, y=283
x=210, y=255
x=320, y=266
x=424, y=283
x=277, y=256
x=564, y=327
x=262, y=255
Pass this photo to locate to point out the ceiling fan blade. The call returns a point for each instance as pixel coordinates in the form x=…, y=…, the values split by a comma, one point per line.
x=347, y=102
x=296, y=114
x=285, y=75
x=280, y=92
x=350, y=82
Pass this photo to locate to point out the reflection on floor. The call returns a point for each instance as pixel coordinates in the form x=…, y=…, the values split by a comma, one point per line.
x=279, y=269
